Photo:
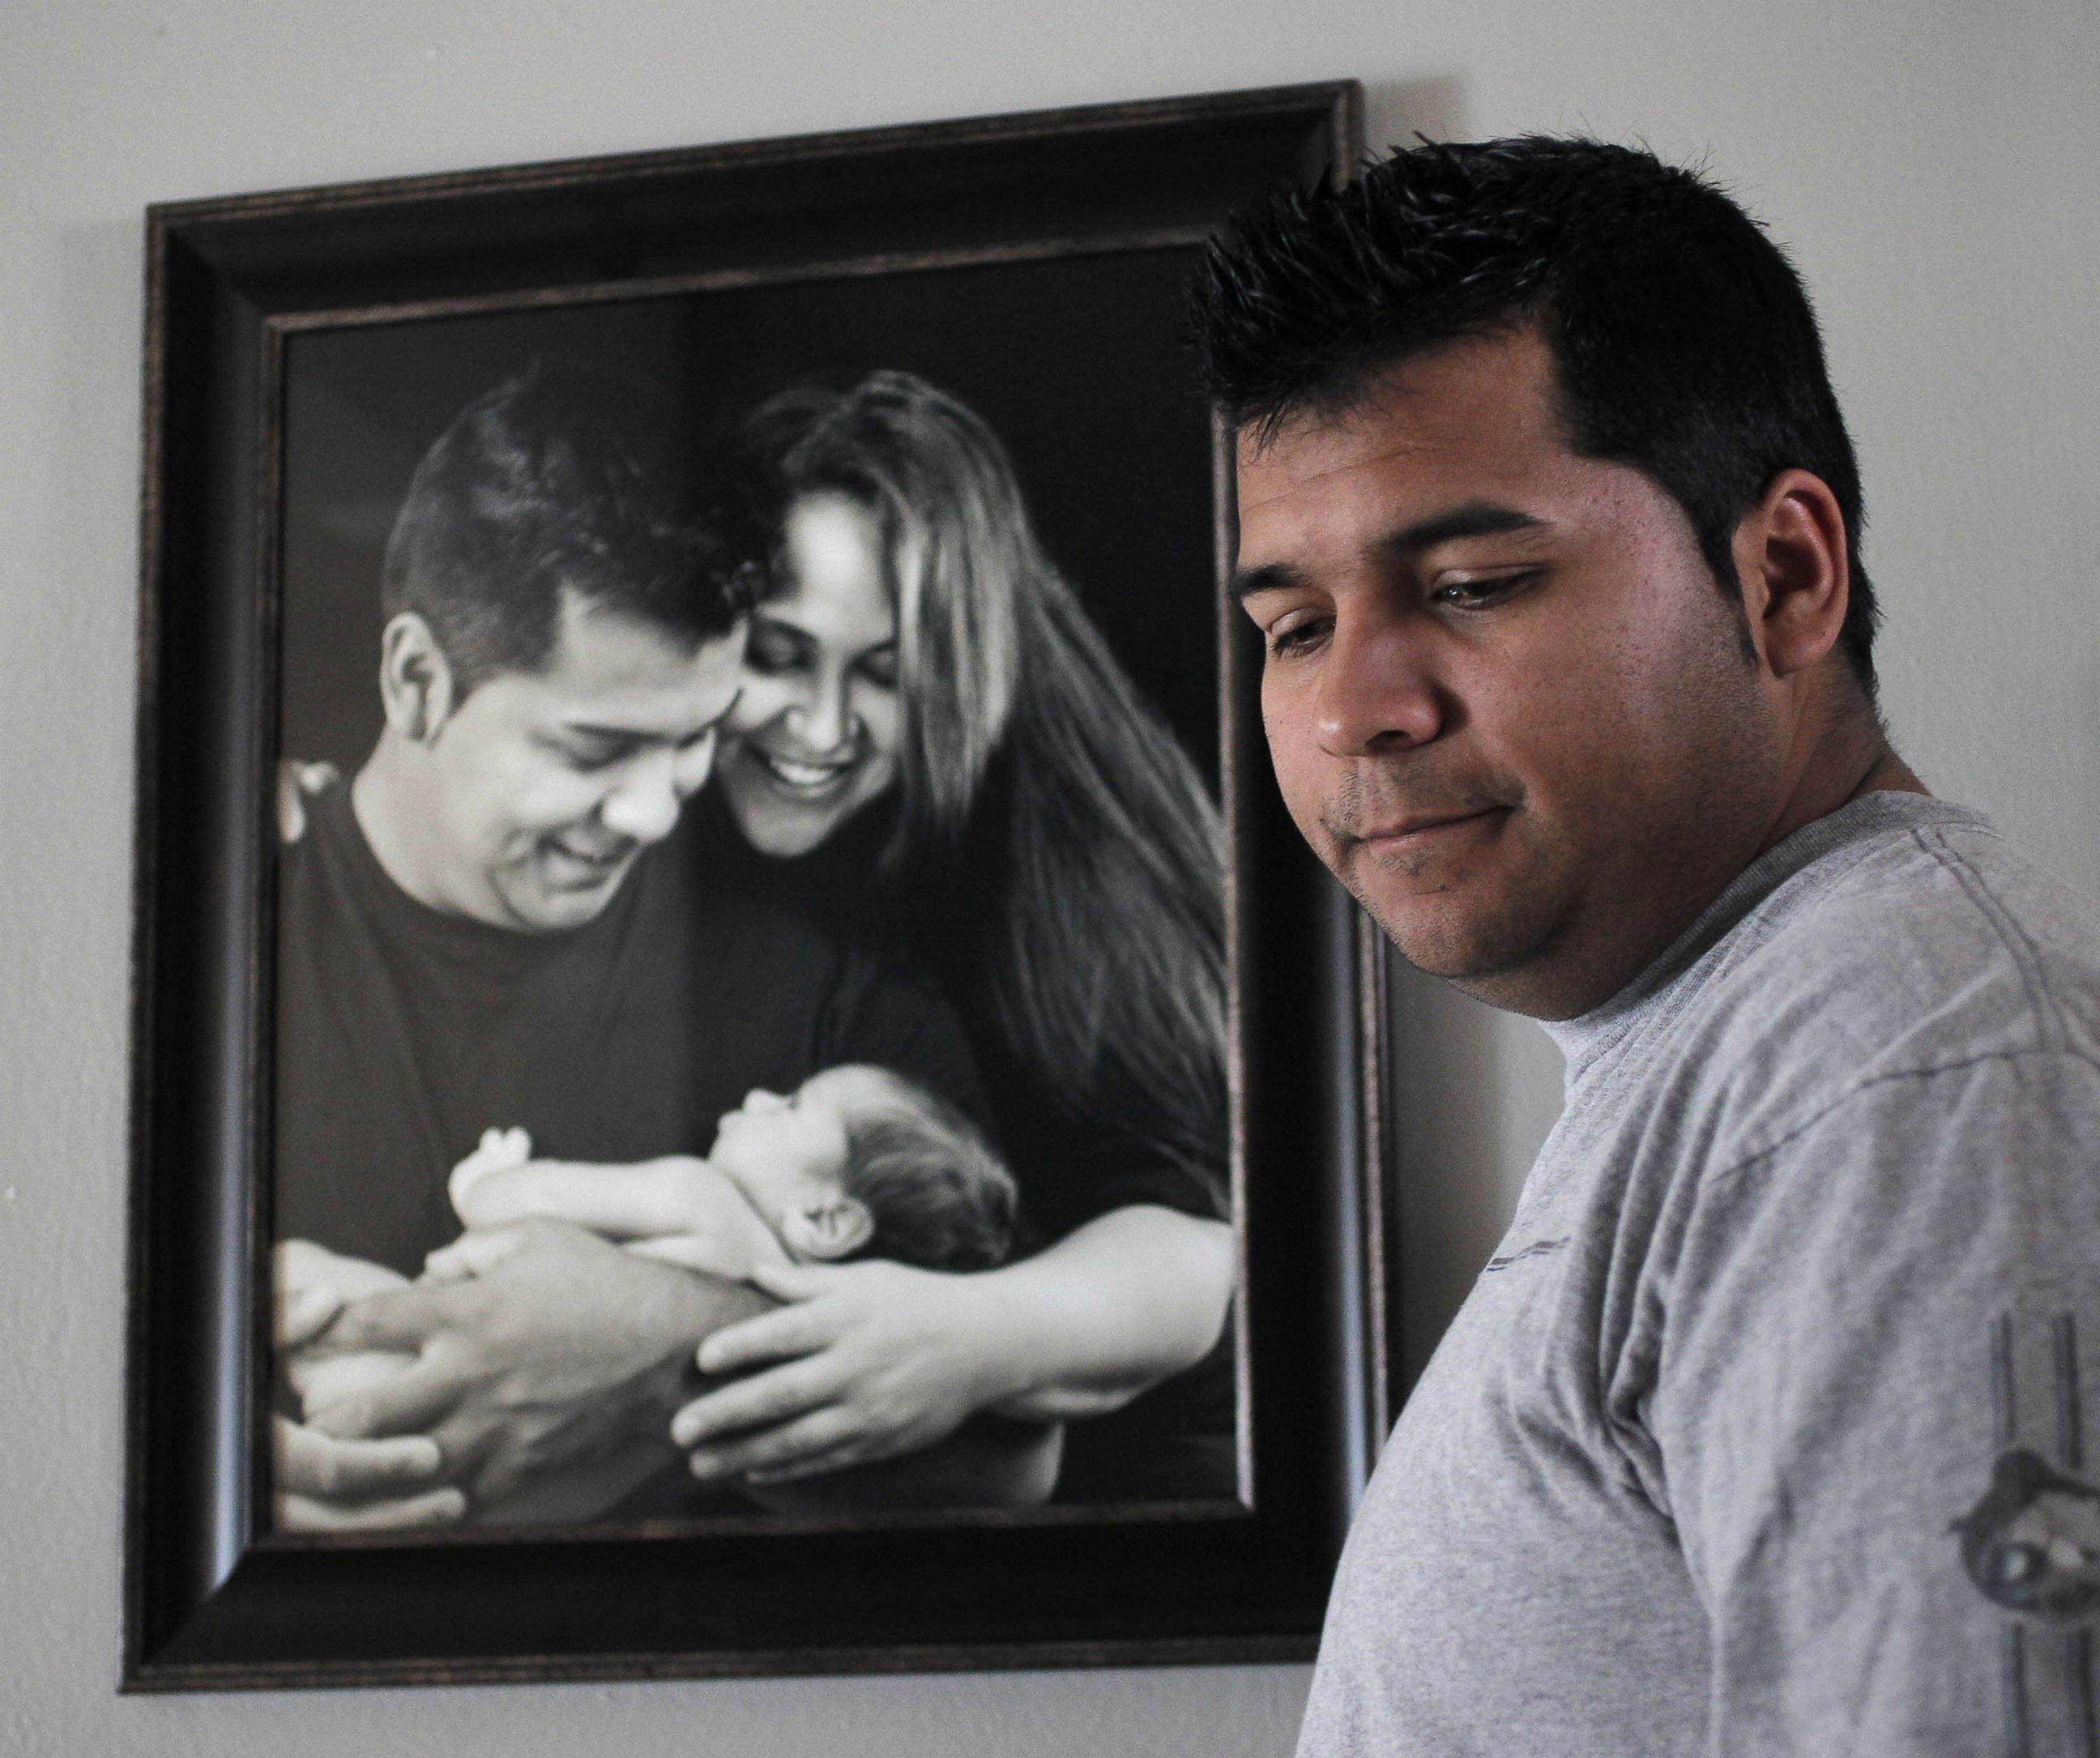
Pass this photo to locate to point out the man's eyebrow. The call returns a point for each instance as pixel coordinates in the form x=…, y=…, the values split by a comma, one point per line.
x=1274, y=576
x=630, y=735
x=1475, y=518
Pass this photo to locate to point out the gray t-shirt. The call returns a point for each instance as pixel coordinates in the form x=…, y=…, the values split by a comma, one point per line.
x=1770, y=1428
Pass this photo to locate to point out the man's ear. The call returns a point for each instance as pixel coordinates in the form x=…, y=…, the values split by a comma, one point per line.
x=416, y=688
x=1794, y=566
x=827, y=1231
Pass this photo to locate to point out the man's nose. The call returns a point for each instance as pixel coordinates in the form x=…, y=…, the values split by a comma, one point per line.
x=1376, y=691
x=645, y=804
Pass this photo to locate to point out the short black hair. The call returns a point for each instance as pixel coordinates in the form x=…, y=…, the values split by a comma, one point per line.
x=539, y=487
x=1682, y=341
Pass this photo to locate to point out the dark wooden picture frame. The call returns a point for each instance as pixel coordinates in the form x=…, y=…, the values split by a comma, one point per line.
x=213, y=1599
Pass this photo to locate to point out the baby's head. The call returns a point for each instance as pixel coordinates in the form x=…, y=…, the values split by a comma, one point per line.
x=859, y=1161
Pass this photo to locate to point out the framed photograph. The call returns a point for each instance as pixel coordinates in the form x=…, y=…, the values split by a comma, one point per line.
x=737, y=1067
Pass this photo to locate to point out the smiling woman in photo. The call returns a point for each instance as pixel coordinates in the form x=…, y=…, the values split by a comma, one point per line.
x=934, y=748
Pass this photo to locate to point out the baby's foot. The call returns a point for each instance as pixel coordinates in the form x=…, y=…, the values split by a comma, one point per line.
x=499, y=1151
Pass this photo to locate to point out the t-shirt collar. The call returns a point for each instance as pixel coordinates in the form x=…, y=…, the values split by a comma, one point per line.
x=1588, y=1036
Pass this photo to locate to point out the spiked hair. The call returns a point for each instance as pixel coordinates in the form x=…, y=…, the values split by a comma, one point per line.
x=1682, y=341
x=540, y=488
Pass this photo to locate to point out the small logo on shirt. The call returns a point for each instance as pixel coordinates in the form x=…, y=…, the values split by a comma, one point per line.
x=1538, y=1248
x=2032, y=1543
x=2031, y=1546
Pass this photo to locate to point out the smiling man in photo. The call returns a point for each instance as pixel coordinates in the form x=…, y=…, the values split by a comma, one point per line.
x=1763, y=1431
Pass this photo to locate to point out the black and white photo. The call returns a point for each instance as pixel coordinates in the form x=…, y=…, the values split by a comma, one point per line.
x=723, y=990
x=764, y=864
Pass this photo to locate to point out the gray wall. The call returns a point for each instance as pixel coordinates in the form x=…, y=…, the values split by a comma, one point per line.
x=1930, y=164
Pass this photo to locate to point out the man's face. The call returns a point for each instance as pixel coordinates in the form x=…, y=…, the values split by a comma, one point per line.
x=1507, y=704
x=551, y=783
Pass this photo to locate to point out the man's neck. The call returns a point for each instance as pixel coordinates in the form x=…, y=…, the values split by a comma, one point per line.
x=1842, y=753
x=392, y=817
x=1847, y=756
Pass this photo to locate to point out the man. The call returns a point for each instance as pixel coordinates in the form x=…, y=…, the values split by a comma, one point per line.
x=1764, y=1429
x=494, y=926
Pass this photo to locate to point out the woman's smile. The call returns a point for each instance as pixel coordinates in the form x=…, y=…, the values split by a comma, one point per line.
x=808, y=776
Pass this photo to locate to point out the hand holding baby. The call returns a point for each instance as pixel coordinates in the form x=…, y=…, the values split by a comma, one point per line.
x=868, y=1359
x=328, y=1483
x=856, y=1162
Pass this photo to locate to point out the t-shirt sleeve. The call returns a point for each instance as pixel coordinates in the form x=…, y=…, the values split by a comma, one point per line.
x=1873, y=1418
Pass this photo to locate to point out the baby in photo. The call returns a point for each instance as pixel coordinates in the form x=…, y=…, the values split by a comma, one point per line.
x=856, y=1161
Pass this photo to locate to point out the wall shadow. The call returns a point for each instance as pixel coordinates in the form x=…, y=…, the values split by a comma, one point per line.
x=1473, y=1094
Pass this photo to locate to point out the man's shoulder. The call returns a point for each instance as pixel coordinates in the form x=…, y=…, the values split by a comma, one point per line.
x=1934, y=939
x=315, y=856
x=1923, y=948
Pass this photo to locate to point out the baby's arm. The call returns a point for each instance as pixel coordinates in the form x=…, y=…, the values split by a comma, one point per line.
x=500, y=1183
x=678, y=1209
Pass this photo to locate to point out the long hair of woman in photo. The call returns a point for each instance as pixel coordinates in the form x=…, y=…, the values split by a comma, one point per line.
x=1047, y=849
x=1031, y=769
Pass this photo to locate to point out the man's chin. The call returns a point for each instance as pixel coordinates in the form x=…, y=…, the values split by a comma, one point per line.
x=1460, y=938
x=1450, y=959
x=1486, y=908
x=553, y=906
